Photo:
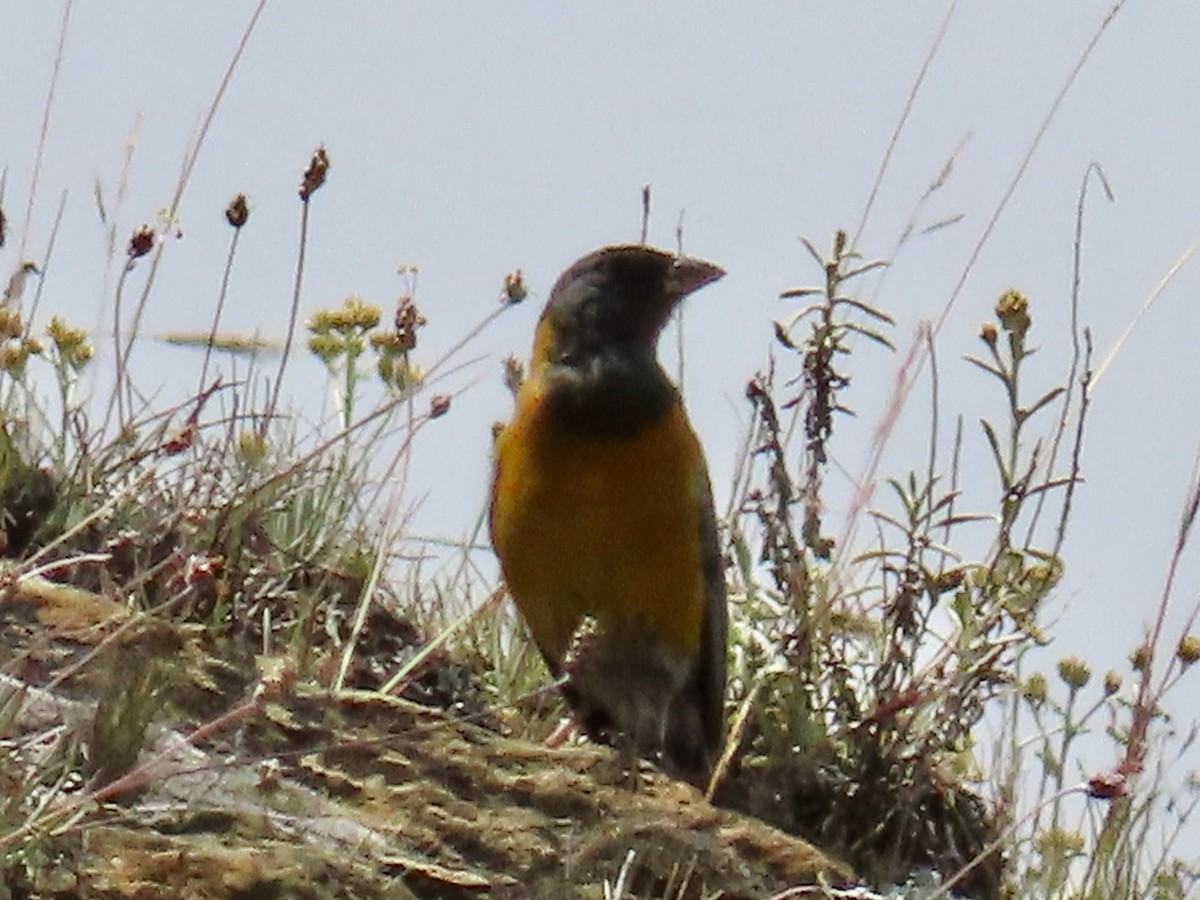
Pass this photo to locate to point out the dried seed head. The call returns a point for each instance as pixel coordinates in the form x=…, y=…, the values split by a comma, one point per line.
x=13, y=358
x=353, y=317
x=359, y=314
x=1042, y=576
x=988, y=334
x=1140, y=657
x=386, y=342
x=514, y=288
x=1108, y=786
x=10, y=323
x=326, y=346
x=321, y=322
x=81, y=356
x=314, y=175
x=71, y=343
x=1112, y=683
x=1012, y=309
x=408, y=320
x=395, y=371
x=237, y=212
x=1074, y=672
x=1034, y=689
x=1189, y=649
x=64, y=336
x=141, y=242
x=439, y=406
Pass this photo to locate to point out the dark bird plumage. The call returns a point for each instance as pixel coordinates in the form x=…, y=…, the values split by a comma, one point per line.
x=602, y=514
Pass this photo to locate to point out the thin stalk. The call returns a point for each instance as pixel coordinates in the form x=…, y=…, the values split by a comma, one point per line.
x=44, y=132
x=293, y=315
x=216, y=324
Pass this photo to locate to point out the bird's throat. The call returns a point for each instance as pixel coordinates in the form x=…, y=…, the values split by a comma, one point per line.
x=608, y=395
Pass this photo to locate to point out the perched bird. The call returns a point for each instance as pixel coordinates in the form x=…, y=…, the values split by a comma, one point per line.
x=602, y=514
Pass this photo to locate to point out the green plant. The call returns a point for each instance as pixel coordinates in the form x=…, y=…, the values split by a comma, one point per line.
x=871, y=668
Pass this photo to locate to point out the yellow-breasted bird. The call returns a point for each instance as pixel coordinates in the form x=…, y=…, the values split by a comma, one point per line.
x=602, y=514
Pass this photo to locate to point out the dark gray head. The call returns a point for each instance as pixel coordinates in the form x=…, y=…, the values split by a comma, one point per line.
x=598, y=333
x=619, y=297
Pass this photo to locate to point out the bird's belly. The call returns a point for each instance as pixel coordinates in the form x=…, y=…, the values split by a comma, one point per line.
x=603, y=528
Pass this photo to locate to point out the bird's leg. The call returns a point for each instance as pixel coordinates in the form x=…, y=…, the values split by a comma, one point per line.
x=582, y=664
x=629, y=760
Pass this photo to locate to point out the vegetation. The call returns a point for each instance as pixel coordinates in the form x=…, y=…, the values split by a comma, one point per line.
x=200, y=580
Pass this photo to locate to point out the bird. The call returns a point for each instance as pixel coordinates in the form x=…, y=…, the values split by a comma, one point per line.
x=602, y=517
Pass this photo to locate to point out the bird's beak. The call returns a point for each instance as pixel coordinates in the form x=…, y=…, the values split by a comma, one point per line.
x=688, y=275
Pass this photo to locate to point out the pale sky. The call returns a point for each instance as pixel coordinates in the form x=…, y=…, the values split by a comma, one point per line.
x=475, y=139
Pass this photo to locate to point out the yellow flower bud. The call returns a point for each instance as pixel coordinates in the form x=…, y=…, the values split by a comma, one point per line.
x=1074, y=672
x=1189, y=649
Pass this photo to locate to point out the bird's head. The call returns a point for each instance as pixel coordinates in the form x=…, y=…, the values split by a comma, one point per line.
x=616, y=300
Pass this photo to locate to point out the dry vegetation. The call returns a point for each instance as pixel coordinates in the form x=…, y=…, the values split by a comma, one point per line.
x=218, y=679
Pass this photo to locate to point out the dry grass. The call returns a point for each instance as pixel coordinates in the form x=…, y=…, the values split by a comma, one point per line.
x=201, y=569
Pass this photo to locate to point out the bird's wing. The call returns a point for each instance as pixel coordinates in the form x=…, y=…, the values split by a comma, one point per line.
x=714, y=635
x=695, y=728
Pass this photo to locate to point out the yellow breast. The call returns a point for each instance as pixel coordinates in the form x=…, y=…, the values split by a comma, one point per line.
x=603, y=527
